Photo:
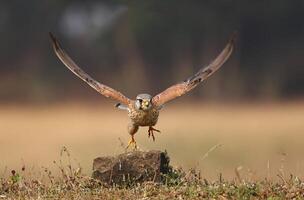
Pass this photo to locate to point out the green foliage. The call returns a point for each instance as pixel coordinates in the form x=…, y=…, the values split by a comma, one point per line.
x=15, y=177
x=173, y=177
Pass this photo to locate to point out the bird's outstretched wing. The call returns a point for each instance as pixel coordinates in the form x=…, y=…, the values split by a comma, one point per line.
x=190, y=83
x=102, y=89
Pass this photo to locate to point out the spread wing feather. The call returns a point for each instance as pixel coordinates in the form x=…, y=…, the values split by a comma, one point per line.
x=71, y=65
x=190, y=83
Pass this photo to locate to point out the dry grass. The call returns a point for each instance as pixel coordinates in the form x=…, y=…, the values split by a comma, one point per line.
x=70, y=183
x=257, y=141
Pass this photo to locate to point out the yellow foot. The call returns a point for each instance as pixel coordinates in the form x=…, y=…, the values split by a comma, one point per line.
x=151, y=132
x=132, y=142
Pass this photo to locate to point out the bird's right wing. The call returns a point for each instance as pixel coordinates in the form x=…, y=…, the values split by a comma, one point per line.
x=102, y=89
x=180, y=89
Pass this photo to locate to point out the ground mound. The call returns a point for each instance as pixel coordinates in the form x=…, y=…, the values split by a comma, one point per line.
x=131, y=167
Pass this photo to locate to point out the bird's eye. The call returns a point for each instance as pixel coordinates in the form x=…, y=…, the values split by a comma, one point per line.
x=140, y=100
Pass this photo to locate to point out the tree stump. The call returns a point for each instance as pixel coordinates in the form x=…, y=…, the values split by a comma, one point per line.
x=131, y=167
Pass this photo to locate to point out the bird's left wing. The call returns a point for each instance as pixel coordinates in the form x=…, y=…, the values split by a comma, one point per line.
x=190, y=83
x=102, y=89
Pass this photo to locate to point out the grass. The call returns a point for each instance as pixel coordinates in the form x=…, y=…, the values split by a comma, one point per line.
x=71, y=183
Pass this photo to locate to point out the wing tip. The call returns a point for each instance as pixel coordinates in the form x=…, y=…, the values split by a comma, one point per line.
x=54, y=41
x=233, y=37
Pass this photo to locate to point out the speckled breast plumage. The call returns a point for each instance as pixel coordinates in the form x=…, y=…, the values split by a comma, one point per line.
x=143, y=118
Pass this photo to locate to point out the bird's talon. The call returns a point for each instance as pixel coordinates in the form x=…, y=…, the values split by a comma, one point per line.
x=151, y=132
x=132, y=142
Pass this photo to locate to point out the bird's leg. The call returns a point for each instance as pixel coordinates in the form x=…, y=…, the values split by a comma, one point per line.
x=151, y=132
x=132, y=129
x=132, y=142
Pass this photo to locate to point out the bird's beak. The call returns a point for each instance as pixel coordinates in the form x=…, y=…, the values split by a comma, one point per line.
x=145, y=103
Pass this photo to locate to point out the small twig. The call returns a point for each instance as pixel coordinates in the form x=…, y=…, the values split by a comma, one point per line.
x=282, y=178
x=211, y=150
x=237, y=173
x=268, y=170
x=221, y=177
x=121, y=143
x=111, y=176
x=154, y=177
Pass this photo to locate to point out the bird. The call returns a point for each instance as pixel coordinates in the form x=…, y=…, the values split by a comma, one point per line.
x=144, y=110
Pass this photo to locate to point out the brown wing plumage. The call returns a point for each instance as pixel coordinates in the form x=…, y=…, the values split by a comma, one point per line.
x=69, y=63
x=190, y=83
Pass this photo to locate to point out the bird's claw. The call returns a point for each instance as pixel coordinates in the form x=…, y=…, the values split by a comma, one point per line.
x=151, y=132
x=132, y=142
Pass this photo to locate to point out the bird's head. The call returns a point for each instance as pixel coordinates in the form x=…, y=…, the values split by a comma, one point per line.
x=143, y=102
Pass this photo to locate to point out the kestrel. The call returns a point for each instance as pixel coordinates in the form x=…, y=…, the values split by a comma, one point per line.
x=144, y=110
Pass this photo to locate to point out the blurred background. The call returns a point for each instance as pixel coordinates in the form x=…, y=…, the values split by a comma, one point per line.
x=252, y=110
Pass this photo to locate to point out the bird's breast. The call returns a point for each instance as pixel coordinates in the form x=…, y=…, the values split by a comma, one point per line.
x=143, y=118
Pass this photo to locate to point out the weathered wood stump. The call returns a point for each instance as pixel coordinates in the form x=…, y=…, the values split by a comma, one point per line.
x=131, y=167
